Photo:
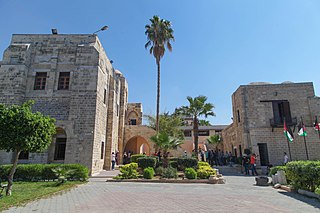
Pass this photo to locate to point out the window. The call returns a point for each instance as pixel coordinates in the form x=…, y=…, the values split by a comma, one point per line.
x=24, y=155
x=133, y=122
x=187, y=133
x=40, y=81
x=238, y=114
x=204, y=133
x=281, y=111
x=64, y=79
x=102, y=150
x=60, y=149
x=105, y=96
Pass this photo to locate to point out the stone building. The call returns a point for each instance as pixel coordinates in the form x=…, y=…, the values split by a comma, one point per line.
x=259, y=110
x=72, y=80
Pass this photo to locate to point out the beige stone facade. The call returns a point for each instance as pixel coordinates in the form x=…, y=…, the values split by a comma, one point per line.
x=259, y=110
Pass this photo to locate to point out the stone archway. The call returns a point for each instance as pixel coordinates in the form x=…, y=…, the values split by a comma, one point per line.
x=138, y=145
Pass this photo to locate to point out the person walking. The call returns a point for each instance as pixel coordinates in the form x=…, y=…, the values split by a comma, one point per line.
x=246, y=163
x=113, y=160
x=253, y=164
x=285, y=158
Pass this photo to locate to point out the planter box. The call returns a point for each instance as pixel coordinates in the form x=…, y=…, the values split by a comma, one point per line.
x=308, y=193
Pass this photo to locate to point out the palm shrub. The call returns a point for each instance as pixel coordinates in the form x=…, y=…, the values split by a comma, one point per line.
x=190, y=173
x=62, y=174
x=148, y=173
x=159, y=170
x=128, y=171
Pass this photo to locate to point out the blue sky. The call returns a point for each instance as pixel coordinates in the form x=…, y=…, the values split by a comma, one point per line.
x=219, y=44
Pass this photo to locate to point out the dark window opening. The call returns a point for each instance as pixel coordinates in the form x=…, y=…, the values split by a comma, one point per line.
x=64, y=80
x=105, y=96
x=187, y=133
x=238, y=113
x=102, y=150
x=60, y=149
x=133, y=122
x=203, y=133
x=24, y=155
x=40, y=81
x=240, y=150
x=281, y=111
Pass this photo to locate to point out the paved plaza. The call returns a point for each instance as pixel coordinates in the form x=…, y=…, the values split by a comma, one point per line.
x=238, y=194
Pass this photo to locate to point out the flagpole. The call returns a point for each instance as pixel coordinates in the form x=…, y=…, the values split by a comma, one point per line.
x=304, y=138
x=288, y=141
x=318, y=131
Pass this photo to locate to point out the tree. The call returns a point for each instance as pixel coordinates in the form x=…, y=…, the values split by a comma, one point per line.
x=23, y=130
x=197, y=107
x=165, y=143
x=204, y=123
x=159, y=34
x=169, y=124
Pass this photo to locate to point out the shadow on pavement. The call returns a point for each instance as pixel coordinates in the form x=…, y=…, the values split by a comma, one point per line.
x=311, y=201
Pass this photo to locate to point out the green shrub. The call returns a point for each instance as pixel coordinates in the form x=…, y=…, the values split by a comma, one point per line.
x=134, y=158
x=203, y=163
x=148, y=173
x=170, y=173
x=247, y=151
x=159, y=170
x=273, y=170
x=304, y=174
x=128, y=171
x=317, y=191
x=144, y=162
x=42, y=172
x=204, y=172
x=186, y=162
x=190, y=173
x=173, y=164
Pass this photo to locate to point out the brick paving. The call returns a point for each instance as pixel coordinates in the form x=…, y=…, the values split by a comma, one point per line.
x=238, y=194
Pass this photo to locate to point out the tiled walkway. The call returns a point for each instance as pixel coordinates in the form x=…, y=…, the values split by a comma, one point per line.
x=237, y=195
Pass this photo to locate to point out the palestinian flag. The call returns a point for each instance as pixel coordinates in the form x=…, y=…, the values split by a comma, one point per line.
x=316, y=125
x=287, y=132
x=302, y=129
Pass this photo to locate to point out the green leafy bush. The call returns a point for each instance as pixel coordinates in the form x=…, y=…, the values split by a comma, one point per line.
x=204, y=172
x=144, y=162
x=148, y=173
x=128, y=171
x=304, y=174
x=273, y=170
x=42, y=172
x=317, y=191
x=190, y=173
x=170, y=173
x=173, y=164
x=159, y=170
x=186, y=162
x=134, y=158
x=203, y=163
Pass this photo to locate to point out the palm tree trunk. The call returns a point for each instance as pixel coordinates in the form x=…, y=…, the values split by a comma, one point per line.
x=13, y=170
x=196, y=135
x=158, y=96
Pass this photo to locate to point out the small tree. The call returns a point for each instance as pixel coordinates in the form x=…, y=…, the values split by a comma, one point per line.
x=23, y=130
x=165, y=143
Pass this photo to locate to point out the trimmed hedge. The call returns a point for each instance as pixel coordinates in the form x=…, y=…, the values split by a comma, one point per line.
x=128, y=171
x=203, y=163
x=186, y=162
x=148, y=173
x=173, y=164
x=190, y=173
x=144, y=162
x=304, y=174
x=134, y=158
x=170, y=173
x=204, y=172
x=43, y=172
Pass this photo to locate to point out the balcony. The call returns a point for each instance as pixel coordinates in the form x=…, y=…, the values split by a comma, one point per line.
x=279, y=123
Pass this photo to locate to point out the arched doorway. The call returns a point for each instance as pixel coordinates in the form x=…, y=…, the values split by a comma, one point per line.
x=137, y=145
x=57, y=149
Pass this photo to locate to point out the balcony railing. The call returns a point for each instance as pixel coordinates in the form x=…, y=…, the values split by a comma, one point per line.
x=289, y=122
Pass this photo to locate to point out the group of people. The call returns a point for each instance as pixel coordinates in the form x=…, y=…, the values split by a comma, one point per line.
x=249, y=163
x=216, y=157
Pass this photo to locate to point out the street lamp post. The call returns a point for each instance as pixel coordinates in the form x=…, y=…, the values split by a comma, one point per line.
x=102, y=29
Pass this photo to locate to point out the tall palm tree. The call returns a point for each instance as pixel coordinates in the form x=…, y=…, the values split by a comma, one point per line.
x=165, y=143
x=159, y=34
x=197, y=107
